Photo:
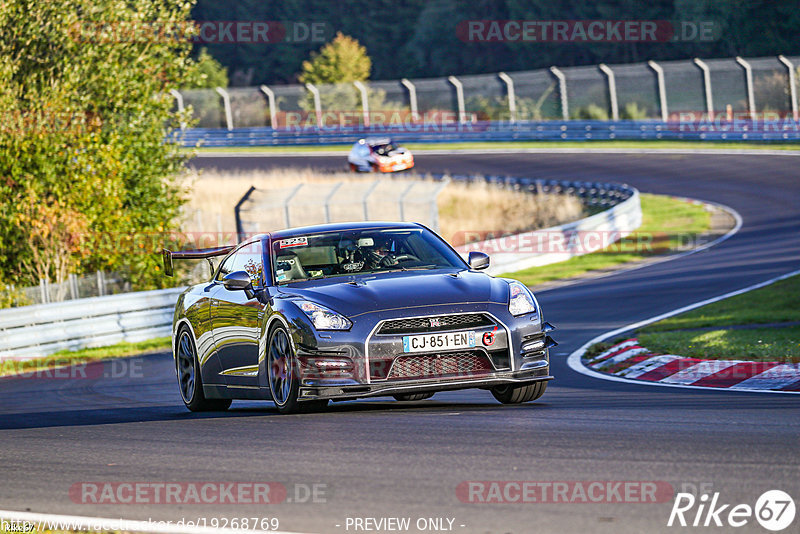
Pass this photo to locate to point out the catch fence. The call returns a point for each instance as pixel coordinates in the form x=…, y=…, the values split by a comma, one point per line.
x=667, y=91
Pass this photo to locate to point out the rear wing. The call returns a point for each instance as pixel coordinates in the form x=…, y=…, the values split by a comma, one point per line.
x=203, y=253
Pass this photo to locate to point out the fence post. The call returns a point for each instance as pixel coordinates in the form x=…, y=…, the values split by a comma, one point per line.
x=364, y=101
x=792, y=85
x=328, y=198
x=412, y=98
x=72, y=281
x=662, y=89
x=286, y=201
x=365, y=198
x=748, y=80
x=402, y=199
x=101, y=283
x=612, y=90
x=226, y=102
x=43, y=290
x=512, y=98
x=462, y=114
x=273, y=109
x=317, y=103
x=237, y=212
x=707, y=85
x=562, y=92
x=179, y=100
x=434, y=206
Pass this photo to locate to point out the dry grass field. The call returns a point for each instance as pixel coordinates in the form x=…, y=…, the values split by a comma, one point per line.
x=463, y=208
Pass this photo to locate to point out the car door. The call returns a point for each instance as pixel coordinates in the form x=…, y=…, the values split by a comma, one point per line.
x=236, y=318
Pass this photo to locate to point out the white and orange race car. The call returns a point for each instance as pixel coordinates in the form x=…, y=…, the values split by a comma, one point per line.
x=379, y=155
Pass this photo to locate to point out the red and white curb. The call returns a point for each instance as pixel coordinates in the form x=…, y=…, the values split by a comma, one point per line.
x=630, y=360
x=762, y=377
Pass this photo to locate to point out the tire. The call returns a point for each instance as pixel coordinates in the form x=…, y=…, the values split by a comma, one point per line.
x=519, y=394
x=408, y=397
x=282, y=372
x=353, y=168
x=190, y=381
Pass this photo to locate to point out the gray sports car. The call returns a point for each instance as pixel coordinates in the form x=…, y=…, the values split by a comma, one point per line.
x=347, y=311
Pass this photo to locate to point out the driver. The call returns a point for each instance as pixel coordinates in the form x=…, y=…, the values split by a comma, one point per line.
x=380, y=253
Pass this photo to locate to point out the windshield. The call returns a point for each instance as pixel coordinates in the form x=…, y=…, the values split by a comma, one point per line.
x=383, y=150
x=359, y=251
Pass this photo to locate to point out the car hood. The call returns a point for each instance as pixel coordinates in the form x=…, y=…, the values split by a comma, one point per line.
x=358, y=295
x=396, y=153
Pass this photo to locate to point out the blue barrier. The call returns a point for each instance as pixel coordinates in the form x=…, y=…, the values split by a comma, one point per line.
x=780, y=130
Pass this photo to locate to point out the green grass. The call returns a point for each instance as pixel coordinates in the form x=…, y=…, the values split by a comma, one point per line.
x=421, y=147
x=666, y=223
x=65, y=357
x=760, y=344
x=775, y=303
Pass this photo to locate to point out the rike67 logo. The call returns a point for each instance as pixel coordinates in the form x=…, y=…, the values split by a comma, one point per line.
x=774, y=510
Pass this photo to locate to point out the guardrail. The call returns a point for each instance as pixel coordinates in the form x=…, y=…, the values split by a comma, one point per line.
x=31, y=331
x=723, y=130
x=559, y=243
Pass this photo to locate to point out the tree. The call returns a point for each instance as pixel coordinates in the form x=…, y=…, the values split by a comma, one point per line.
x=208, y=74
x=84, y=86
x=341, y=60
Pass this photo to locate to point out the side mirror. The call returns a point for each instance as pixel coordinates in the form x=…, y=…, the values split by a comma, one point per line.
x=478, y=260
x=237, y=281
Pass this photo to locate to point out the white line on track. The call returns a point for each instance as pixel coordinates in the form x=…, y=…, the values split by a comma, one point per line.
x=78, y=522
x=574, y=359
x=444, y=152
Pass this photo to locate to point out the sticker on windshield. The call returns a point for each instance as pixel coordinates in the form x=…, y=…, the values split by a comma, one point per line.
x=355, y=266
x=293, y=242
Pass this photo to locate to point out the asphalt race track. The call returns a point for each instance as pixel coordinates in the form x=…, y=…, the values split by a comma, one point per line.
x=384, y=459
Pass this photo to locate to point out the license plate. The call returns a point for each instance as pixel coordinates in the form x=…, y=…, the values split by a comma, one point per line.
x=434, y=342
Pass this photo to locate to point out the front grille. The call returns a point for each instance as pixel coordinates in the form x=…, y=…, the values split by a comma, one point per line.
x=440, y=365
x=435, y=323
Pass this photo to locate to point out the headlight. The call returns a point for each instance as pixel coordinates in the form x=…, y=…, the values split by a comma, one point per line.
x=520, y=300
x=322, y=317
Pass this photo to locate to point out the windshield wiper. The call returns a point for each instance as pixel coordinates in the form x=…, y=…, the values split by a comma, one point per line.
x=415, y=268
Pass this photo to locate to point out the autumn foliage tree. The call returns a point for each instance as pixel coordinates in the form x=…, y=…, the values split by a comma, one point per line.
x=55, y=237
x=87, y=143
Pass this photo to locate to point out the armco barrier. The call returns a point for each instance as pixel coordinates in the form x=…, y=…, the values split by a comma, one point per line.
x=33, y=331
x=560, y=243
x=763, y=130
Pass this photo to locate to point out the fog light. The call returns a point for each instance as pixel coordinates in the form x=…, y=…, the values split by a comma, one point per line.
x=331, y=364
x=533, y=345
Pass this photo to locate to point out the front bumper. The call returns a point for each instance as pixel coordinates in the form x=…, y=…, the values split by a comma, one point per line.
x=396, y=165
x=517, y=354
x=350, y=391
